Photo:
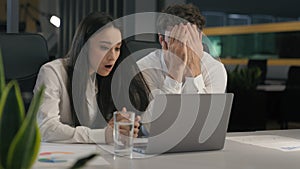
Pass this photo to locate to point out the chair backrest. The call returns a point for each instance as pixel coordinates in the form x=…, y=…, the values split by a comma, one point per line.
x=23, y=55
x=145, y=47
x=261, y=64
x=289, y=107
x=293, y=80
x=142, y=47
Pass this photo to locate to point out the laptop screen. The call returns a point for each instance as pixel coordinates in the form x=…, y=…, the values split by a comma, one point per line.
x=188, y=122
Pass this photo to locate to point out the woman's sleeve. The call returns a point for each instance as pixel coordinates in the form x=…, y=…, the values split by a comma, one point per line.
x=48, y=116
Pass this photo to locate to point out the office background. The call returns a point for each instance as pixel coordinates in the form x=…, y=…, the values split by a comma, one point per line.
x=277, y=51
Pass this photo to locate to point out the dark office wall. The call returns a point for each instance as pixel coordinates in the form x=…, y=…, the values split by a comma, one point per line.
x=279, y=8
x=73, y=11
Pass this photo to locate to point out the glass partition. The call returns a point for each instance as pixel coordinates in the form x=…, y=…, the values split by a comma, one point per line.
x=257, y=41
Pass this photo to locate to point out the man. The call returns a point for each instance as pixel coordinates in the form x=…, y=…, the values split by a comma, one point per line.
x=182, y=66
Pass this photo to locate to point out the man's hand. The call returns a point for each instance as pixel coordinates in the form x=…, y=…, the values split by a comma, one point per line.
x=184, y=52
x=195, y=52
x=176, y=56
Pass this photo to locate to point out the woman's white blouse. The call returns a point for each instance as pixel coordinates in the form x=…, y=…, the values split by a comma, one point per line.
x=54, y=116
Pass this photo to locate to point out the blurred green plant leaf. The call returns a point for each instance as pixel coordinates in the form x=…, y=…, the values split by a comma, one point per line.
x=2, y=76
x=19, y=135
x=11, y=113
x=26, y=143
x=11, y=117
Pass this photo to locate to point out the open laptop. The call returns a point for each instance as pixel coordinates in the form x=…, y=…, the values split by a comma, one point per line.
x=187, y=122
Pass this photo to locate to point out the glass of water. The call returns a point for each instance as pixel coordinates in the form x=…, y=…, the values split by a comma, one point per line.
x=123, y=133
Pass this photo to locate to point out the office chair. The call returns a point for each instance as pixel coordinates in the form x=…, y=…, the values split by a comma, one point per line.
x=262, y=65
x=23, y=55
x=289, y=107
x=142, y=48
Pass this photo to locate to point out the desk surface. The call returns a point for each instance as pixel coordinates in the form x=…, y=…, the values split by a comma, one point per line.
x=271, y=88
x=235, y=155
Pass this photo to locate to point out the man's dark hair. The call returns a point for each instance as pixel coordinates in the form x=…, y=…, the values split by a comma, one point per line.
x=187, y=13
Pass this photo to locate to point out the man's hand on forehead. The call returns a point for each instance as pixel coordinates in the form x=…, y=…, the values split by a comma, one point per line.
x=167, y=34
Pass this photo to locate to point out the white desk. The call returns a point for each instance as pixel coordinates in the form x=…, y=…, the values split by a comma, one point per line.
x=235, y=155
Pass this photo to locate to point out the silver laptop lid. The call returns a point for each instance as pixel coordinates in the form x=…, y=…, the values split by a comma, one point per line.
x=189, y=122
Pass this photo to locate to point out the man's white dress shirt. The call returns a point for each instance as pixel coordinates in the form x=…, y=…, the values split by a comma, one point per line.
x=213, y=77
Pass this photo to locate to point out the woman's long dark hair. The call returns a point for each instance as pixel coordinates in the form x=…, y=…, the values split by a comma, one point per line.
x=138, y=90
x=139, y=93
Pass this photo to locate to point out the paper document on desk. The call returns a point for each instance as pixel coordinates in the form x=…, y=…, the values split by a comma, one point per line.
x=53, y=155
x=281, y=143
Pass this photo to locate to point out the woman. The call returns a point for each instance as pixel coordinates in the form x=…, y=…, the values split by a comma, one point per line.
x=78, y=101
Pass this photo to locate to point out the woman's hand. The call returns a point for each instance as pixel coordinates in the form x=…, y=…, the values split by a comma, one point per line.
x=124, y=130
